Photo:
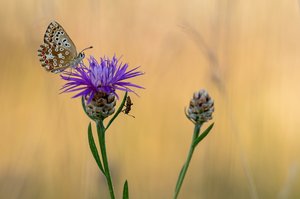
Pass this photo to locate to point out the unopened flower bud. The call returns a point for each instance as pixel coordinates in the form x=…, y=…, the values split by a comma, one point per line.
x=201, y=107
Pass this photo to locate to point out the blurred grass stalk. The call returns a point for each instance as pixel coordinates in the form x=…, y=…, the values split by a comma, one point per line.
x=289, y=182
x=221, y=86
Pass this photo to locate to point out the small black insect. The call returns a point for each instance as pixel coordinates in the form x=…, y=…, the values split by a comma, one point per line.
x=128, y=105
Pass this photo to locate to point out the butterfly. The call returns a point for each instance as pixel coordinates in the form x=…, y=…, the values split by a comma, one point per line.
x=58, y=52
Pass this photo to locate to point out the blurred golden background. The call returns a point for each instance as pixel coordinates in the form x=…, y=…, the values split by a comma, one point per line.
x=245, y=53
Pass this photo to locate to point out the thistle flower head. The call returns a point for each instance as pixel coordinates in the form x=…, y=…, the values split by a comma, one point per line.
x=98, y=83
x=107, y=76
x=201, y=107
x=101, y=106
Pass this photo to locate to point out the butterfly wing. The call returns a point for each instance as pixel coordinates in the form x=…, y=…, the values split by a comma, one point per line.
x=58, y=51
x=53, y=58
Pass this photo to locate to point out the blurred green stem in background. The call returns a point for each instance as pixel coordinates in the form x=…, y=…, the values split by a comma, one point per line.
x=195, y=141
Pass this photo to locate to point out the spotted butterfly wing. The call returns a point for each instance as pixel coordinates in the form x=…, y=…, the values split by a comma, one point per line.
x=58, y=51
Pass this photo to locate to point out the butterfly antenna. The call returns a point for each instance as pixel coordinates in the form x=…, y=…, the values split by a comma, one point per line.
x=87, y=48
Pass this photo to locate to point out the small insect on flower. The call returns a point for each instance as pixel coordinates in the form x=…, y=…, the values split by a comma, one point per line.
x=58, y=52
x=128, y=106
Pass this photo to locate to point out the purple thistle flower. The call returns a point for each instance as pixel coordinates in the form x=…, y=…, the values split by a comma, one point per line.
x=105, y=77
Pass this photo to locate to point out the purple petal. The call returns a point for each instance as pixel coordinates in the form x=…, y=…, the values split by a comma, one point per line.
x=108, y=75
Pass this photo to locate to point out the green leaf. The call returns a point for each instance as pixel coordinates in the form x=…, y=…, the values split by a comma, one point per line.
x=118, y=111
x=94, y=148
x=179, y=177
x=202, y=135
x=125, y=191
x=84, y=108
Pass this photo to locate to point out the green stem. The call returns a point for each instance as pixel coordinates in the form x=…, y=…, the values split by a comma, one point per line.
x=101, y=136
x=187, y=163
x=118, y=111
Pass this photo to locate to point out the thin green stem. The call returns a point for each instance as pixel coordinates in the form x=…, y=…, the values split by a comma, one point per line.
x=101, y=136
x=187, y=163
x=118, y=111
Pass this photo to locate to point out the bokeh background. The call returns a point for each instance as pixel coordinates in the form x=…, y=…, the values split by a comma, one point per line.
x=245, y=53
